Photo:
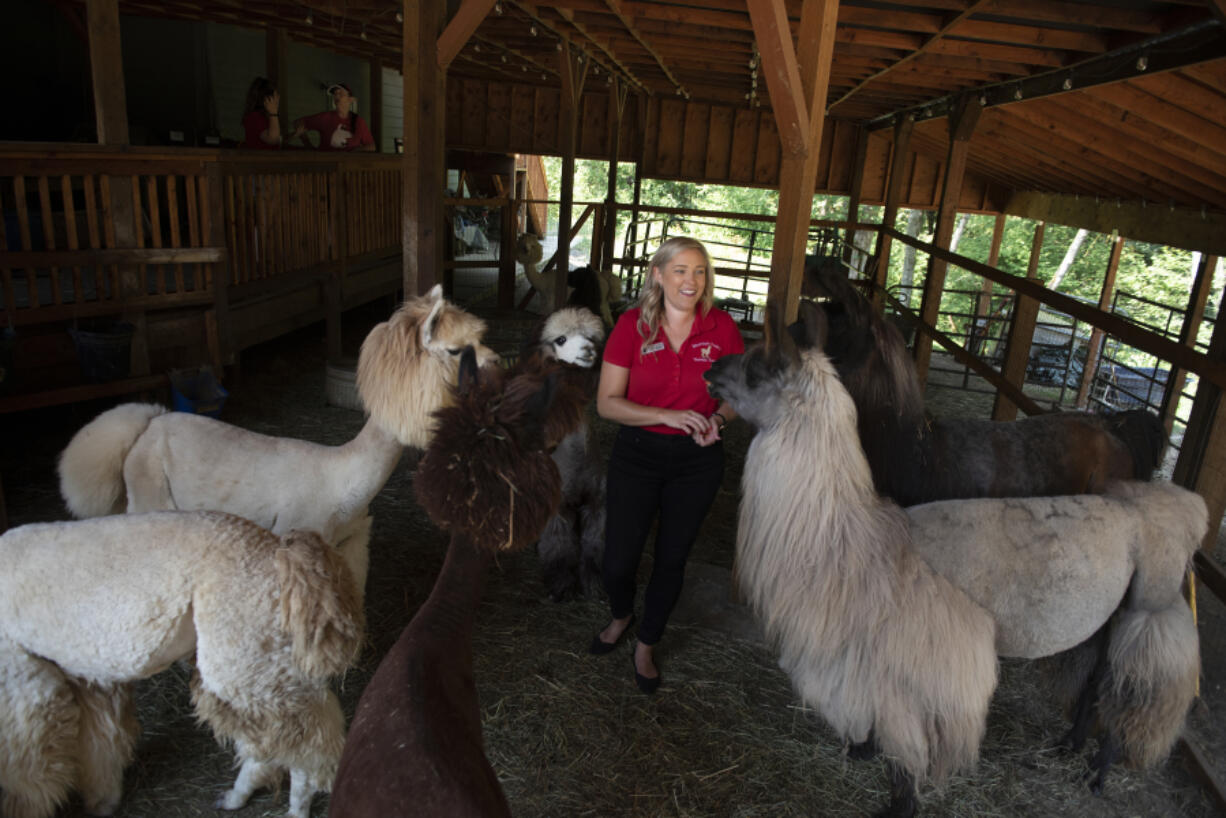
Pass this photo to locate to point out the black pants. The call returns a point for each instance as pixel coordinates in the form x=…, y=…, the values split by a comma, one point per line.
x=650, y=473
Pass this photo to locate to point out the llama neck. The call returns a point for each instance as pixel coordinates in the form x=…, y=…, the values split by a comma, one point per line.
x=450, y=613
x=361, y=466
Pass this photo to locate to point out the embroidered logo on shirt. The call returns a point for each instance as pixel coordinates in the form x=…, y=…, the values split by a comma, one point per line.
x=707, y=352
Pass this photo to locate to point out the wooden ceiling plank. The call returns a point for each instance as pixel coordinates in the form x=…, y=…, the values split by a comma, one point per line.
x=1032, y=36
x=618, y=8
x=605, y=49
x=1019, y=54
x=677, y=14
x=1153, y=132
x=1051, y=11
x=920, y=49
x=782, y=74
x=897, y=20
x=1135, y=98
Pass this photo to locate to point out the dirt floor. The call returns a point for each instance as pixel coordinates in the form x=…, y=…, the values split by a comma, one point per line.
x=569, y=734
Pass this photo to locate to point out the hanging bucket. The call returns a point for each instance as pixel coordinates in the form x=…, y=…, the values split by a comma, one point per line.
x=105, y=353
x=197, y=392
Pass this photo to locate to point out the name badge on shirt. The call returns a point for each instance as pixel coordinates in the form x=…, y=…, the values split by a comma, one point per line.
x=656, y=347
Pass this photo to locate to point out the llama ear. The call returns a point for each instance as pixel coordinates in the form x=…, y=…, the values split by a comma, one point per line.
x=430, y=325
x=436, y=292
x=816, y=325
x=469, y=371
x=780, y=348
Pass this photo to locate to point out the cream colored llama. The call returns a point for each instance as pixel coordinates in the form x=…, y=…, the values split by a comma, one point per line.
x=138, y=457
x=889, y=622
x=87, y=607
x=529, y=253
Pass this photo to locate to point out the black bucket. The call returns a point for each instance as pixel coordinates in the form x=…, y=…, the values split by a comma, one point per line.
x=105, y=353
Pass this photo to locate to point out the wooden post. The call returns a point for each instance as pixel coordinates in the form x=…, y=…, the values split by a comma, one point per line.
x=983, y=302
x=853, y=194
x=506, y=254
x=1192, y=318
x=1096, y=334
x=898, y=161
x=424, y=102
x=221, y=340
x=1021, y=335
x=961, y=125
x=374, y=109
x=276, y=48
x=640, y=147
x=617, y=106
x=798, y=171
x=334, y=285
x=572, y=76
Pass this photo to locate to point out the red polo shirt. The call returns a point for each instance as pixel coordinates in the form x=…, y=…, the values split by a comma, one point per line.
x=667, y=379
x=336, y=134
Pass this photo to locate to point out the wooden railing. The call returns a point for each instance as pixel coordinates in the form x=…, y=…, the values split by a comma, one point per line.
x=244, y=240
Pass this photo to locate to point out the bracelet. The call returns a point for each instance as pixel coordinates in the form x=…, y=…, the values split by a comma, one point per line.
x=723, y=421
x=271, y=114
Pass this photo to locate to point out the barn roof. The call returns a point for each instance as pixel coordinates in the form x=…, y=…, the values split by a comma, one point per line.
x=1121, y=100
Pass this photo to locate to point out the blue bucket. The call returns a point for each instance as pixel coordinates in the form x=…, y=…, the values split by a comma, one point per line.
x=197, y=392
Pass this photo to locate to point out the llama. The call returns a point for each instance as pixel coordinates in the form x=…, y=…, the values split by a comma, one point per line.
x=87, y=607
x=415, y=744
x=528, y=252
x=138, y=457
x=571, y=547
x=597, y=291
x=889, y=622
x=915, y=459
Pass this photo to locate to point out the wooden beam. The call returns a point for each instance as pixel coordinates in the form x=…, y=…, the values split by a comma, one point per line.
x=856, y=186
x=1105, y=295
x=629, y=21
x=1021, y=334
x=961, y=126
x=798, y=174
x=1183, y=227
x=106, y=72
x=782, y=75
x=572, y=90
x=374, y=110
x=898, y=161
x=424, y=119
x=1193, y=315
x=467, y=18
x=617, y=107
x=276, y=48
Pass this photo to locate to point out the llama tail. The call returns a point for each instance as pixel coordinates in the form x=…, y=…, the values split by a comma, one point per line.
x=1153, y=663
x=321, y=605
x=1144, y=435
x=91, y=466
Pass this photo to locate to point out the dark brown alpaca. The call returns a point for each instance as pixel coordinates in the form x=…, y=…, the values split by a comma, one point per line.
x=415, y=745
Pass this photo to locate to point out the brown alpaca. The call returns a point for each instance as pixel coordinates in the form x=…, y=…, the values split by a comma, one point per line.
x=415, y=745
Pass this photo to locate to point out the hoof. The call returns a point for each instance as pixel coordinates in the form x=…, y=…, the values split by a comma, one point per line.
x=229, y=800
x=862, y=750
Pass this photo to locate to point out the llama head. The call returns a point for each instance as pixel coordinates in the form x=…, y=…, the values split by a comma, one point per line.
x=487, y=473
x=759, y=382
x=572, y=335
x=528, y=249
x=408, y=364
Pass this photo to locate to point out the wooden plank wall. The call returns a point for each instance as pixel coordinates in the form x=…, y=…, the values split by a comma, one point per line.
x=690, y=141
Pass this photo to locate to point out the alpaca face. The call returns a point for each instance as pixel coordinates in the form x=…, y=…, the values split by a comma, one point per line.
x=573, y=335
x=753, y=383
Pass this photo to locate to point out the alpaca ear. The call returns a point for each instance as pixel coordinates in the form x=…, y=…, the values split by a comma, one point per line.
x=429, y=326
x=469, y=371
x=816, y=325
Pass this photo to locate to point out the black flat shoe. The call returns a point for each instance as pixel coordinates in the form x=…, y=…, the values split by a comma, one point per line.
x=599, y=647
x=647, y=684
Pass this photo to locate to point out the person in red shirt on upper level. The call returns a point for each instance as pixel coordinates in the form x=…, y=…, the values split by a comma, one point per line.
x=261, y=118
x=667, y=457
x=340, y=129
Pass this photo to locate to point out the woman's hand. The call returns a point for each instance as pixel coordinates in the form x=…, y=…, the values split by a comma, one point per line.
x=709, y=434
x=272, y=102
x=687, y=420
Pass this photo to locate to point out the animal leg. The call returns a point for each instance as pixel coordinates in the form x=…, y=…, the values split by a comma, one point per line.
x=903, y=800
x=253, y=775
x=301, y=790
x=1109, y=752
x=591, y=547
x=38, y=733
x=1084, y=709
x=558, y=549
x=106, y=743
x=863, y=750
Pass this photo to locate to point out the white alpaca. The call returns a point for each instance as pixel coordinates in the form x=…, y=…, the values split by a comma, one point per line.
x=889, y=622
x=87, y=607
x=572, y=545
x=528, y=252
x=139, y=457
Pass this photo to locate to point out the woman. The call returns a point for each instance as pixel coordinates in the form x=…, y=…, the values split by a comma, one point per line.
x=261, y=118
x=668, y=457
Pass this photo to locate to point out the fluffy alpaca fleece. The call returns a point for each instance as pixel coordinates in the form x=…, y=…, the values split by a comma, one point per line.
x=416, y=745
x=88, y=607
x=571, y=547
x=878, y=640
x=140, y=458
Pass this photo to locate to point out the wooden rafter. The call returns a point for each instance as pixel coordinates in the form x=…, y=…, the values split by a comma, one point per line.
x=467, y=18
x=602, y=44
x=914, y=55
x=618, y=8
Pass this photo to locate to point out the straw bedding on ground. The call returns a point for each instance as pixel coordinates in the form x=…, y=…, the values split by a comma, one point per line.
x=568, y=733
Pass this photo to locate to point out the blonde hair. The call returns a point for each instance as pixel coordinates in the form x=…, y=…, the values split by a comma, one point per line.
x=651, y=298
